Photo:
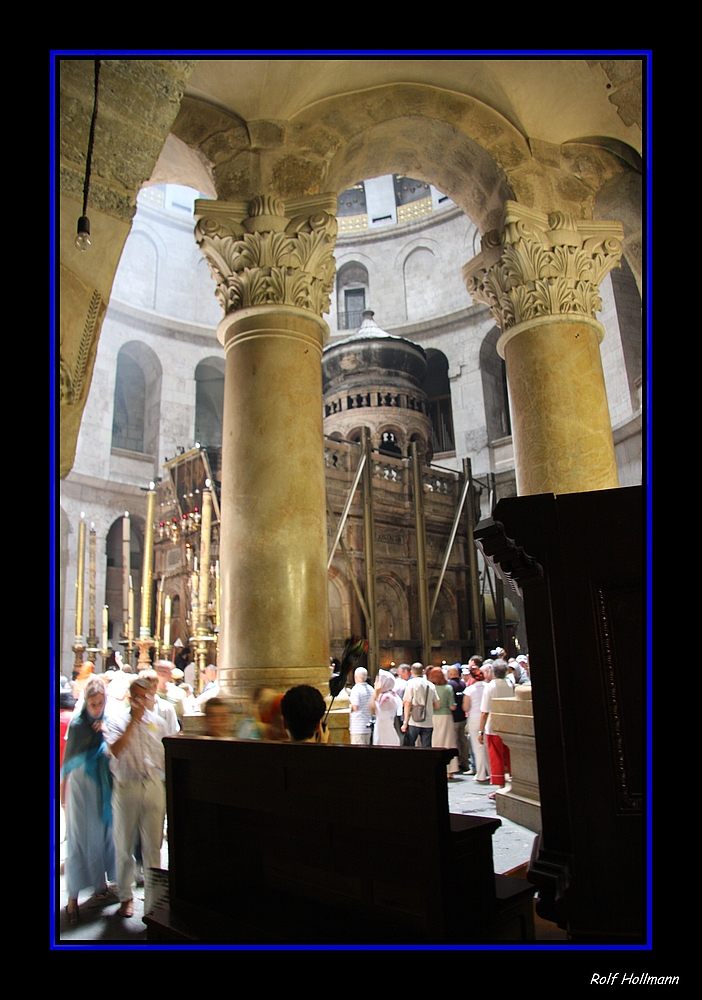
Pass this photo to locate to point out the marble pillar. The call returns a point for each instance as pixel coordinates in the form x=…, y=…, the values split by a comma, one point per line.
x=540, y=275
x=274, y=267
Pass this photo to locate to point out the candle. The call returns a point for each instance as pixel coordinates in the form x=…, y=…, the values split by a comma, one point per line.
x=159, y=608
x=167, y=622
x=126, y=567
x=130, y=614
x=92, y=574
x=79, y=576
x=148, y=565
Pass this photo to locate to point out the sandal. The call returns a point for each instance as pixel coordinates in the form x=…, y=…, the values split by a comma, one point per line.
x=127, y=908
x=72, y=912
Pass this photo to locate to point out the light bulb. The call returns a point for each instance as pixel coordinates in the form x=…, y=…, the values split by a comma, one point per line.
x=83, y=238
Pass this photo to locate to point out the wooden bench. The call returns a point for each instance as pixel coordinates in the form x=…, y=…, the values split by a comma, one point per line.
x=305, y=843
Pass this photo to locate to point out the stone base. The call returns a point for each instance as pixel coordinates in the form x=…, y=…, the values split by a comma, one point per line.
x=516, y=808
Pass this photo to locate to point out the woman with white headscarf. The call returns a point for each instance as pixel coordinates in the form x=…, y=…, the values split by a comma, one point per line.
x=386, y=706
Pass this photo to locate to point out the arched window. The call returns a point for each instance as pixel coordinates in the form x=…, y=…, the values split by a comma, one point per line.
x=423, y=287
x=209, y=402
x=438, y=390
x=137, y=400
x=351, y=295
x=130, y=402
x=389, y=444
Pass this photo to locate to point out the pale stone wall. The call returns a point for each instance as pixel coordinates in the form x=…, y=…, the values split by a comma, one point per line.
x=414, y=268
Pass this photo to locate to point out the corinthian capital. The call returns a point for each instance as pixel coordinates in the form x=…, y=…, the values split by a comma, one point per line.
x=269, y=251
x=543, y=265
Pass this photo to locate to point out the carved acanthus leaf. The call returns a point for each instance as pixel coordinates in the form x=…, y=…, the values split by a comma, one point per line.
x=548, y=266
x=292, y=263
x=73, y=383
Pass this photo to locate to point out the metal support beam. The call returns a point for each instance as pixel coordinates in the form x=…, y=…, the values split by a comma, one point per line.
x=347, y=508
x=420, y=533
x=498, y=595
x=352, y=575
x=449, y=546
x=369, y=556
x=475, y=602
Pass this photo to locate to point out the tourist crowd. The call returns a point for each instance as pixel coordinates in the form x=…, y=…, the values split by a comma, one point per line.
x=112, y=755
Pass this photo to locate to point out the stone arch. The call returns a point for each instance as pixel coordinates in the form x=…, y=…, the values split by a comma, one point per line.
x=391, y=440
x=393, y=608
x=421, y=287
x=354, y=435
x=444, y=621
x=339, y=606
x=209, y=401
x=352, y=294
x=425, y=449
x=424, y=132
x=469, y=175
x=494, y=380
x=137, y=399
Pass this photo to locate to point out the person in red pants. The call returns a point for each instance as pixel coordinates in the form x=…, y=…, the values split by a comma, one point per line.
x=498, y=751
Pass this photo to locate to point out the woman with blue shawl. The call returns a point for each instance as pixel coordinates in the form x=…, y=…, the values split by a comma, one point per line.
x=86, y=794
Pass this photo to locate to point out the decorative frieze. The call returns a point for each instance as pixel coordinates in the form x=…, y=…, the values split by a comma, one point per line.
x=269, y=251
x=72, y=383
x=374, y=398
x=543, y=265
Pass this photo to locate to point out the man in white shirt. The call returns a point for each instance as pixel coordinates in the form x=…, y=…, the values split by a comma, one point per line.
x=360, y=717
x=138, y=792
x=161, y=707
x=418, y=704
x=498, y=751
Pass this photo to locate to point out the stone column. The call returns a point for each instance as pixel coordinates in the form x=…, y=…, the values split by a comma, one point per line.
x=274, y=266
x=540, y=275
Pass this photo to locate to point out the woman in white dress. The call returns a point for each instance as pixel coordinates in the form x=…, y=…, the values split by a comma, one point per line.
x=386, y=705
